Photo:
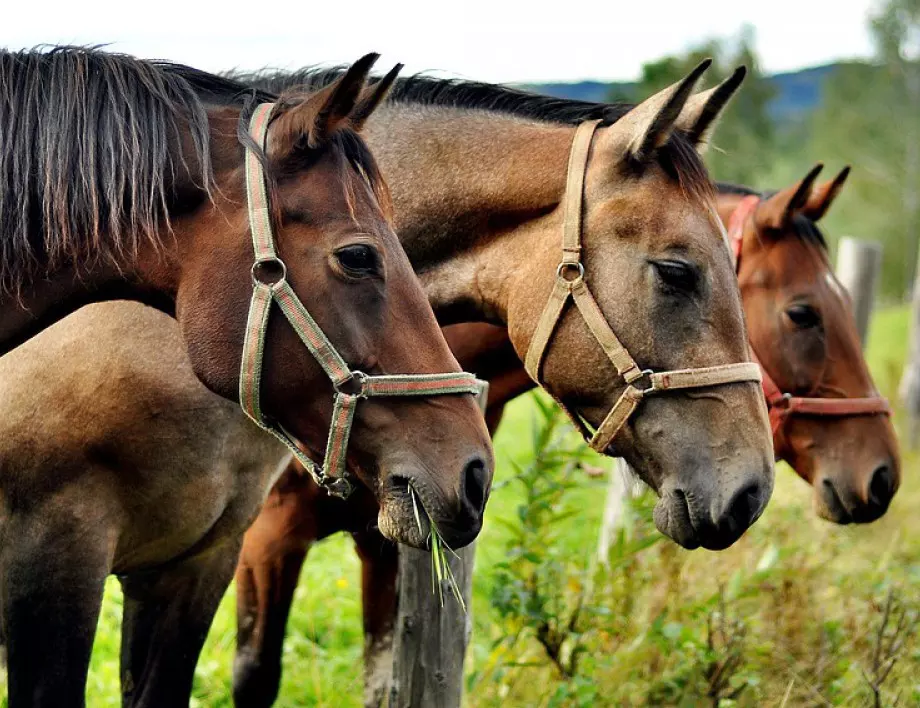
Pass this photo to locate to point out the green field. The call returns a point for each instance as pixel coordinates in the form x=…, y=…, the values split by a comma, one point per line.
x=806, y=593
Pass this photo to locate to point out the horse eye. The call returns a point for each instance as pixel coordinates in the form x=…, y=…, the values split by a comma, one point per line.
x=803, y=316
x=358, y=259
x=677, y=274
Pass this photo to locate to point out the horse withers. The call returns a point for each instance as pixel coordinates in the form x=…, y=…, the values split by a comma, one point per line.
x=181, y=189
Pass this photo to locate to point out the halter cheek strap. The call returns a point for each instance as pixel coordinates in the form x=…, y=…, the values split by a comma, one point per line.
x=782, y=406
x=570, y=283
x=269, y=285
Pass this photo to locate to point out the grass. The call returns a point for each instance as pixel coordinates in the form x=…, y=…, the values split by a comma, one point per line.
x=809, y=596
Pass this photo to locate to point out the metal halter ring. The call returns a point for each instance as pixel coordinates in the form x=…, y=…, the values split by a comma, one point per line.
x=272, y=266
x=563, y=267
x=644, y=377
x=355, y=385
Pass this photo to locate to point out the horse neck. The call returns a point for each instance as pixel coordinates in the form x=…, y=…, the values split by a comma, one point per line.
x=472, y=192
x=46, y=300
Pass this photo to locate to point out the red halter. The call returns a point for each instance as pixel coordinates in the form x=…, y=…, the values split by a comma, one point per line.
x=782, y=405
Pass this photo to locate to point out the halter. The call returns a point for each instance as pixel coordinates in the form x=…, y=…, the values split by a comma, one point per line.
x=269, y=284
x=782, y=406
x=570, y=282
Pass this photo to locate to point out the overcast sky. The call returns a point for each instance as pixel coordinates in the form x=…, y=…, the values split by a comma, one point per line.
x=492, y=40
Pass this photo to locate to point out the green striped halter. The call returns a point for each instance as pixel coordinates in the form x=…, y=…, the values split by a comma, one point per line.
x=269, y=284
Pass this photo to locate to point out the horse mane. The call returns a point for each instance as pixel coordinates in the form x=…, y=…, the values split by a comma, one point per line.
x=91, y=154
x=677, y=157
x=89, y=145
x=804, y=228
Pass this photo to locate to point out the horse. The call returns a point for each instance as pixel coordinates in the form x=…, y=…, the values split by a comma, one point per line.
x=800, y=325
x=153, y=181
x=646, y=214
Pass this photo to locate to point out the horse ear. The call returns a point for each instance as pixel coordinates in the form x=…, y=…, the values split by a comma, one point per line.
x=823, y=195
x=649, y=125
x=701, y=112
x=372, y=97
x=777, y=211
x=314, y=120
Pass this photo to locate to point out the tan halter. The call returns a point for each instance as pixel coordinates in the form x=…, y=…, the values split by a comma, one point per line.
x=570, y=282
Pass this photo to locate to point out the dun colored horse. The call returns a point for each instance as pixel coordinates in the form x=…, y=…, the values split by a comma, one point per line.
x=481, y=198
x=124, y=178
x=801, y=326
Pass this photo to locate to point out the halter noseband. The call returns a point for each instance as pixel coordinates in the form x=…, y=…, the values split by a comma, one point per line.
x=269, y=284
x=570, y=282
x=782, y=406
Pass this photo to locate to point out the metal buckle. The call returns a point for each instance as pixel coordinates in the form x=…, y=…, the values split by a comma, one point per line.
x=355, y=385
x=269, y=271
x=645, y=374
x=563, y=267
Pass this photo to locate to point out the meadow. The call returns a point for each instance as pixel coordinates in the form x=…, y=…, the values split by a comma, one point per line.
x=789, y=616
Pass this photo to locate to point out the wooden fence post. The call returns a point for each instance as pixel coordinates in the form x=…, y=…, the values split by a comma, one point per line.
x=909, y=390
x=430, y=641
x=858, y=265
x=621, y=486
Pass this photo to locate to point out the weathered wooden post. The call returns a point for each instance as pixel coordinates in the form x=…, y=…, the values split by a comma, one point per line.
x=621, y=486
x=429, y=646
x=858, y=265
x=430, y=641
x=909, y=390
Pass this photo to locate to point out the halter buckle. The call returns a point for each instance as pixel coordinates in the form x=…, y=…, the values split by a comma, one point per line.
x=644, y=378
x=355, y=385
x=563, y=267
x=270, y=271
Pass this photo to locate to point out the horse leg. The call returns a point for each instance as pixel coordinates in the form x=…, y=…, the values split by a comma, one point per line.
x=53, y=580
x=273, y=553
x=167, y=614
x=379, y=570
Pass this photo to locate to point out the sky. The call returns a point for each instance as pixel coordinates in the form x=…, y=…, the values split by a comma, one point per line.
x=489, y=40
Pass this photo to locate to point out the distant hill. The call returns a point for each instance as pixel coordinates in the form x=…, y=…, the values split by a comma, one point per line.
x=797, y=92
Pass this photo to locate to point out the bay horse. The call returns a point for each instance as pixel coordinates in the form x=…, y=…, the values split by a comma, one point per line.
x=153, y=181
x=801, y=326
x=488, y=249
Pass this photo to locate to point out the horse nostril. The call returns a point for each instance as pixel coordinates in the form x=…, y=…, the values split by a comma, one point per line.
x=880, y=486
x=475, y=479
x=745, y=506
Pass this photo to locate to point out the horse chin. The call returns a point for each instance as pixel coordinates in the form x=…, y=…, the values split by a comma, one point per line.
x=672, y=517
x=397, y=522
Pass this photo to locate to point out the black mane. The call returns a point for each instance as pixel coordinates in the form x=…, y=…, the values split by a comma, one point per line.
x=89, y=154
x=678, y=157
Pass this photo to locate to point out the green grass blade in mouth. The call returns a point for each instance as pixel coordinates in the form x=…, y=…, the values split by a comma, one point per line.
x=440, y=565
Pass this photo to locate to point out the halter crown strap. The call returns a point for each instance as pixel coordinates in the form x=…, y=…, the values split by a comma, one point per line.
x=782, y=405
x=570, y=283
x=269, y=285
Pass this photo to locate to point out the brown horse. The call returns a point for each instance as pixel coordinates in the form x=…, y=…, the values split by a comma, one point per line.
x=488, y=249
x=801, y=326
x=124, y=178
